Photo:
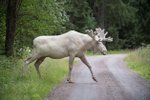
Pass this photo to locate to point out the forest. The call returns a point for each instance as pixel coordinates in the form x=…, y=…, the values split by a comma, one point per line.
x=127, y=22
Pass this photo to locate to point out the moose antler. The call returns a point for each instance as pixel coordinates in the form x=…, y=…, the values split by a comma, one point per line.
x=101, y=33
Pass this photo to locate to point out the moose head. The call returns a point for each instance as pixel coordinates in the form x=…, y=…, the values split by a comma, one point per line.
x=99, y=36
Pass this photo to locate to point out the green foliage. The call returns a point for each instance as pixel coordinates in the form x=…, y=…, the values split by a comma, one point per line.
x=121, y=18
x=127, y=21
x=39, y=17
x=119, y=13
x=139, y=61
x=80, y=15
x=116, y=43
x=143, y=17
x=22, y=52
x=30, y=87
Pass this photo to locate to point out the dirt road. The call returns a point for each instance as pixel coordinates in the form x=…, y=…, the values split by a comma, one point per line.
x=115, y=82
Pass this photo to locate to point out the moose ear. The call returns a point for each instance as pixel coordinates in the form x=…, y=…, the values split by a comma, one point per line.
x=90, y=32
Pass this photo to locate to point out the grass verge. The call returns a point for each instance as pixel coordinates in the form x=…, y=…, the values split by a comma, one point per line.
x=90, y=53
x=12, y=87
x=119, y=51
x=139, y=61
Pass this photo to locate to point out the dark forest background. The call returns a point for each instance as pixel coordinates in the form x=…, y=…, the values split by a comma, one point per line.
x=127, y=21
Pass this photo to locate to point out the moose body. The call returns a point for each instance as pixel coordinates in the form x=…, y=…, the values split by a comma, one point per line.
x=71, y=44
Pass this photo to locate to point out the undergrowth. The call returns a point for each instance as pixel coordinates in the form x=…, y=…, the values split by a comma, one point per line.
x=30, y=87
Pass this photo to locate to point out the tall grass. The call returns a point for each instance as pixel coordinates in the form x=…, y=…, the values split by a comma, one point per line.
x=139, y=61
x=91, y=53
x=12, y=87
x=119, y=51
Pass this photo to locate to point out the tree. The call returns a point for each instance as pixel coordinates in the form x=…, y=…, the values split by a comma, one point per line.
x=39, y=17
x=98, y=9
x=11, y=15
x=80, y=15
x=143, y=16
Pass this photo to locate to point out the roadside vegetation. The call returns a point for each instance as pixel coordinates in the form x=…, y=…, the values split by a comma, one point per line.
x=139, y=61
x=126, y=51
x=91, y=53
x=30, y=87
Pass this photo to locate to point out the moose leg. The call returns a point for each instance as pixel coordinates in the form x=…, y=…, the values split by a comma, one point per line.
x=37, y=64
x=83, y=59
x=71, y=59
x=26, y=63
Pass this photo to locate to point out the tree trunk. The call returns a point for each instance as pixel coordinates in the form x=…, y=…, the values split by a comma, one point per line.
x=98, y=7
x=102, y=14
x=10, y=26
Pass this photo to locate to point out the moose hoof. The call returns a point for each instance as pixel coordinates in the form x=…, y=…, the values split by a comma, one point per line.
x=69, y=81
x=94, y=79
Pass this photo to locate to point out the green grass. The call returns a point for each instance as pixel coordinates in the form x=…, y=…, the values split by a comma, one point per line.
x=118, y=51
x=90, y=53
x=139, y=61
x=12, y=87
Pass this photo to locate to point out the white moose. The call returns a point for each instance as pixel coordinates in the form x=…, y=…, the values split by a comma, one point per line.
x=70, y=44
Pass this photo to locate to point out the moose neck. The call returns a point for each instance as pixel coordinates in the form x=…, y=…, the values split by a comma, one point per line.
x=90, y=43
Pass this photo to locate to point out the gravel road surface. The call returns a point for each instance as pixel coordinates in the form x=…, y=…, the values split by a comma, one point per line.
x=115, y=82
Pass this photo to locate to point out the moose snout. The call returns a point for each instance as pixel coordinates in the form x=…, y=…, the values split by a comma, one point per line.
x=104, y=52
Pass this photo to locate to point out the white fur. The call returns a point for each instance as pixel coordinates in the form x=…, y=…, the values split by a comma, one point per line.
x=71, y=44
